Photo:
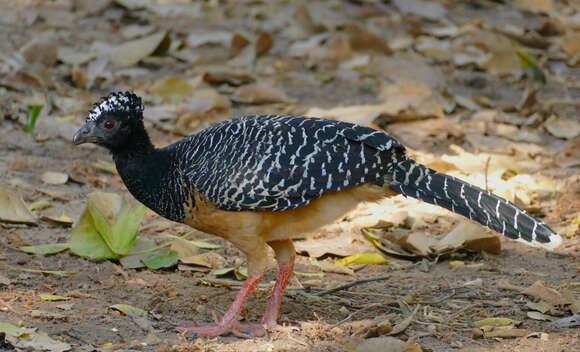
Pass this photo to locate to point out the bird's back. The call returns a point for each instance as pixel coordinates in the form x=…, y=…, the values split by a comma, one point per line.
x=271, y=162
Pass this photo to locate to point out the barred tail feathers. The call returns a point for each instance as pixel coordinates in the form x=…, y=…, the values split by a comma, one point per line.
x=418, y=181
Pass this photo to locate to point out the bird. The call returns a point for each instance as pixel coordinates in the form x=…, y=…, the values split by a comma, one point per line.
x=263, y=180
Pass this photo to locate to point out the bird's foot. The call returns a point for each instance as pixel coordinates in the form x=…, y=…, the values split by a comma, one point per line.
x=206, y=331
x=241, y=330
x=246, y=331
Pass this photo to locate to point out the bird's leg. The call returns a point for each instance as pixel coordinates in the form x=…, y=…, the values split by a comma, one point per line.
x=285, y=256
x=256, y=268
x=229, y=319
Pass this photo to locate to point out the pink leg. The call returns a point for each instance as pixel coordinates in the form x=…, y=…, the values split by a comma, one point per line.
x=285, y=256
x=229, y=319
x=284, y=274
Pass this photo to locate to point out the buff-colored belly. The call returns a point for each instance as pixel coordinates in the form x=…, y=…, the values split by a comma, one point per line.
x=243, y=227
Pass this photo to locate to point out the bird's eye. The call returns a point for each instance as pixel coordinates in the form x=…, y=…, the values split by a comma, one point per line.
x=109, y=124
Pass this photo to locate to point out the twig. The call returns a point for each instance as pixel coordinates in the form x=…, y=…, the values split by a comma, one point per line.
x=459, y=312
x=486, y=171
x=403, y=325
x=440, y=299
x=351, y=284
x=374, y=305
x=39, y=271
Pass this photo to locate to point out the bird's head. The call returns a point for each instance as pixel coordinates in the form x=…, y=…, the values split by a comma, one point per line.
x=112, y=121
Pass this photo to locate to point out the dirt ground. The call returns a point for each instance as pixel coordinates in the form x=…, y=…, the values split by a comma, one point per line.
x=473, y=110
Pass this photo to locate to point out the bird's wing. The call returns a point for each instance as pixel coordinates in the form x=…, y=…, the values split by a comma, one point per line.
x=283, y=162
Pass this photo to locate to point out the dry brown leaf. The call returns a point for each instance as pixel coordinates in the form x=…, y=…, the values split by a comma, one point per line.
x=319, y=16
x=406, y=67
x=539, y=316
x=40, y=51
x=184, y=248
x=416, y=100
x=416, y=134
x=173, y=90
x=12, y=207
x=359, y=114
x=542, y=6
x=238, y=43
x=470, y=236
x=570, y=42
x=234, y=79
x=385, y=344
x=136, y=30
x=54, y=178
x=264, y=43
x=504, y=284
x=205, y=106
x=539, y=291
x=335, y=268
x=420, y=243
x=210, y=260
x=311, y=48
x=131, y=52
x=259, y=93
x=367, y=41
x=540, y=306
x=427, y=9
x=571, y=301
x=343, y=245
x=562, y=127
x=435, y=48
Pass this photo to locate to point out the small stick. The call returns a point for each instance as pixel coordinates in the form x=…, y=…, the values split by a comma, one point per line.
x=462, y=310
x=486, y=171
x=351, y=284
x=374, y=305
x=403, y=325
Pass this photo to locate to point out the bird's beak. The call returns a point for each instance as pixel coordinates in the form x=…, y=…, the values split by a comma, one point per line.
x=85, y=134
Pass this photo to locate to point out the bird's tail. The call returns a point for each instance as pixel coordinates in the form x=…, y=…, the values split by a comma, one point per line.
x=418, y=181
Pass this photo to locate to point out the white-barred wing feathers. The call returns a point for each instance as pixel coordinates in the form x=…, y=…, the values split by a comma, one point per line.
x=284, y=162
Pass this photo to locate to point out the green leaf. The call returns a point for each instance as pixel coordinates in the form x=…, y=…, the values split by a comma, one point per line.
x=129, y=310
x=54, y=298
x=504, y=323
x=106, y=166
x=126, y=227
x=300, y=273
x=205, y=245
x=12, y=330
x=50, y=248
x=142, y=249
x=160, y=261
x=118, y=229
x=86, y=242
x=224, y=271
x=31, y=116
x=239, y=273
x=363, y=258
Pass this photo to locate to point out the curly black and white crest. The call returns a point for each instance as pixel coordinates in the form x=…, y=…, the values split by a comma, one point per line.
x=126, y=102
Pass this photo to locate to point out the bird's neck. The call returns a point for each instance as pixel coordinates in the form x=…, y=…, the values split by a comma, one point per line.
x=147, y=174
